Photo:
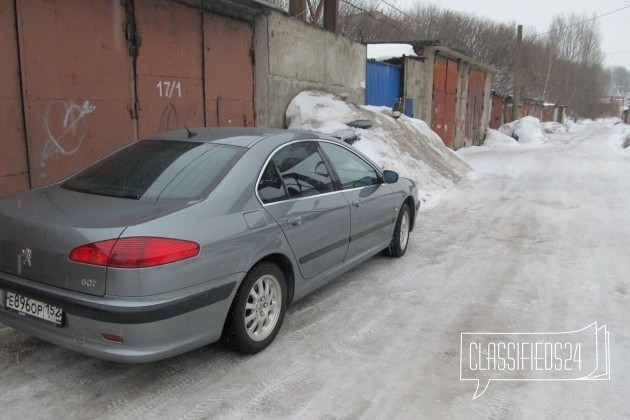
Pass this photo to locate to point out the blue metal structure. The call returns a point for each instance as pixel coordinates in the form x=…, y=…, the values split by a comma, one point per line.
x=383, y=84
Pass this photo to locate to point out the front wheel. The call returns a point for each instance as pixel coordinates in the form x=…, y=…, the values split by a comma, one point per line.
x=258, y=309
x=400, y=239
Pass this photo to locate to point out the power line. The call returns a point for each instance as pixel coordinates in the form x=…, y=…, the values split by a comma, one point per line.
x=533, y=36
x=399, y=11
x=583, y=22
x=371, y=15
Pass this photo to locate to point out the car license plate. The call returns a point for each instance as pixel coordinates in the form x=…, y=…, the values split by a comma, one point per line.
x=34, y=308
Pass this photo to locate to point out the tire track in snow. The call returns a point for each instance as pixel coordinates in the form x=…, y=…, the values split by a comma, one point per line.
x=168, y=379
x=253, y=398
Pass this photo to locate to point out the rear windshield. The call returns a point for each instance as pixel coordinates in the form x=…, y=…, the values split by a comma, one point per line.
x=157, y=170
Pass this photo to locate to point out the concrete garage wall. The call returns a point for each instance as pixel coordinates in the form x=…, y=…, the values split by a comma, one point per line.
x=292, y=56
x=414, y=87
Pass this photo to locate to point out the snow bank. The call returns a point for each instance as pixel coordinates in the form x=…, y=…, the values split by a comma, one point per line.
x=495, y=138
x=553, y=127
x=622, y=139
x=407, y=145
x=527, y=130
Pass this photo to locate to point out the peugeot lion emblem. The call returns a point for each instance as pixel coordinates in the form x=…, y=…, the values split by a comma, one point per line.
x=25, y=257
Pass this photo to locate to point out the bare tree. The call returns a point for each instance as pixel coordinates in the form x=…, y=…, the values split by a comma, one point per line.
x=577, y=76
x=619, y=81
x=562, y=66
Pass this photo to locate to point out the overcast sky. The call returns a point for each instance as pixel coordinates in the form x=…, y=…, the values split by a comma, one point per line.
x=537, y=15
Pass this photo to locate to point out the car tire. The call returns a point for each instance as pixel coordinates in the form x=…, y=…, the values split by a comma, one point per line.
x=257, y=311
x=400, y=239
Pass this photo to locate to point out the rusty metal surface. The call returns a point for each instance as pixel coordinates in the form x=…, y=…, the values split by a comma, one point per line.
x=75, y=75
x=83, y=64
x=547, y=113
x=507, y=112
x=13, y=159
x=496, y=112
x=474, y=105
x=444, y=99
x=169, y=75
x=229, y=72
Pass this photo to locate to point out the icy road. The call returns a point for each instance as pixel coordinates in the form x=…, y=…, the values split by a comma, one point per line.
x=537, y=239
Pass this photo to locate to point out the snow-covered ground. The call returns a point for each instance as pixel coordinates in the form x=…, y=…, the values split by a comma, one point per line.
x=536, y=239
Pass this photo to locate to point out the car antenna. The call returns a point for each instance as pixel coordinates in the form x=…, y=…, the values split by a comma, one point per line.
x=190, y=133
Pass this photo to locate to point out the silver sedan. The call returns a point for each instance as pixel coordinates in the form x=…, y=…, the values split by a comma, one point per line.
x=188, y=237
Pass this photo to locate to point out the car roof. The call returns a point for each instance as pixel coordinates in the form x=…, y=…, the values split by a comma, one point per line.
x=235, y=136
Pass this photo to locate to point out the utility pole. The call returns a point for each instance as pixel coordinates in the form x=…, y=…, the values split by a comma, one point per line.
x=516, y=111
x=331, y=15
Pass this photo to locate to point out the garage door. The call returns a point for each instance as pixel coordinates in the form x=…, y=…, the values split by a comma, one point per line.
x=169, y=66
x=75, y=83
x=444, y=99
x=474, y=106
x=229, y=72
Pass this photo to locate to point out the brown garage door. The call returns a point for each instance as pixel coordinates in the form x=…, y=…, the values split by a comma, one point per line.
x=169, y=66
x=75, y=83
x=87, y=66
x=444, y=99
x=497, y=112
x=229, y=72
x=13, y=159
x=474, y=105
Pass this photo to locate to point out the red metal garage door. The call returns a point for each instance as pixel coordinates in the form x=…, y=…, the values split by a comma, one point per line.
x=75, y=81
x=13, y=159
x=169, y=72
x=229, y=72
x=474, y=105
x=547, y=113
x=444, y=99
x=497, y=112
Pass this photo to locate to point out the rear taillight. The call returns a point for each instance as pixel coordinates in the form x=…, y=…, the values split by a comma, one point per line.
x=135, y=252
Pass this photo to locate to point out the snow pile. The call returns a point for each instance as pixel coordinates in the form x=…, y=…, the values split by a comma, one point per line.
x=610, y=120
x=552, y=127
x=527, y=130
x=407, y=145
x=496, y=139
x=623, y=138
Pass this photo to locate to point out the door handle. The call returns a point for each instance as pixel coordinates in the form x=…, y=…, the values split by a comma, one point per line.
x=356, y=203
x=295, y=221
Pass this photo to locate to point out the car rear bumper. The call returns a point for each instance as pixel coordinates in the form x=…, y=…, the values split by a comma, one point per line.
x=151, y=328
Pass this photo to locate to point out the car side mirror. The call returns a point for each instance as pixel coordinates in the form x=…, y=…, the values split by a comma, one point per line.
x=390, y=177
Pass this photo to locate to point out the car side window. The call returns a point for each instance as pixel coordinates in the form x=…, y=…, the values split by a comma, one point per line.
x=352, y=170
x=270, y=186
x=302, y=170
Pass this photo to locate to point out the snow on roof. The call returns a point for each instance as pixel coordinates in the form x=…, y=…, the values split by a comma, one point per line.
x=382, y=52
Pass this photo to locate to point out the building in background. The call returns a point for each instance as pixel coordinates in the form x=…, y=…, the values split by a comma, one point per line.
x=445, y=88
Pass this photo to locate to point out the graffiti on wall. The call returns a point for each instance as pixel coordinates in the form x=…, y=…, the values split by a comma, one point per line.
x=169, y=119
x=65, y=127
x=169, y=89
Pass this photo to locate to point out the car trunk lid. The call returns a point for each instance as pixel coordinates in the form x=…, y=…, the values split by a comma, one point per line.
x=38, y=229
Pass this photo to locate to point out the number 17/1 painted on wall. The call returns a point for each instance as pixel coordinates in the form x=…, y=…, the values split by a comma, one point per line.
x=167, y=88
